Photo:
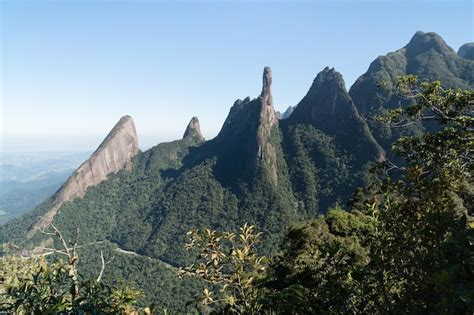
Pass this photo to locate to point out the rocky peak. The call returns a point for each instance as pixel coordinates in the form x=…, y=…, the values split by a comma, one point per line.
x=248, y=128
x=267, y=85
x=422, y=42
x=112, y=155
x=124, y=131
x=329, y=75
x=466, y=51
x=328, y=107
x=329, y=81
x=322, y=97
x=193, y=130
x=268, y=120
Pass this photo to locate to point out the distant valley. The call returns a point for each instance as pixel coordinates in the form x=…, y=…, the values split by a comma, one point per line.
x=29, y=178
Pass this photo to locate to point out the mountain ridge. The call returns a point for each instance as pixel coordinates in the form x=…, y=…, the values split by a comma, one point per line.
x=427, y=56
x=259, y=170
x=112, y=155
x=328, y=107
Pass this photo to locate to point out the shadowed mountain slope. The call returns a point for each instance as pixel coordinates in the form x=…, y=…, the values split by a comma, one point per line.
x=426, y=55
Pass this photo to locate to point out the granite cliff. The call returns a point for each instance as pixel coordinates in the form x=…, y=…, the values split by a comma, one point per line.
x=193, y=130
x=112, y=155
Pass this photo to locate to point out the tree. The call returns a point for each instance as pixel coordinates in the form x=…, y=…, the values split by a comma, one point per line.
x=32, y=285
x=407, y=243
x=323, y=261
x=425, y=248
x=230, y=262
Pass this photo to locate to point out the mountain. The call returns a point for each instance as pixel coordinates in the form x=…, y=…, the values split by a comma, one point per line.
x=260, y=170
x=147, y=207
x=426, y=55
x=114, y=153
x=193, y=130
x=328, y=107
x=466, y=51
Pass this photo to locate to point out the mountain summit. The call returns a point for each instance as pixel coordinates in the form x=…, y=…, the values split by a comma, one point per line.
x=268, y=119
x=193, y=130
x=427, y=56
x=112, y=155
x=328, y=107
x=422, y=42
x=245, y=136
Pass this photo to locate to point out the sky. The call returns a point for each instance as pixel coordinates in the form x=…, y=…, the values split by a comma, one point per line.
x=70, y=69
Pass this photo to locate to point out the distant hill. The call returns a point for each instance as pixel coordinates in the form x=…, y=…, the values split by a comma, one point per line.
x=29, y=178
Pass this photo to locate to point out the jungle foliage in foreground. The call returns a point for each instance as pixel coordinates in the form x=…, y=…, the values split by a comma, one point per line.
x=405, y=246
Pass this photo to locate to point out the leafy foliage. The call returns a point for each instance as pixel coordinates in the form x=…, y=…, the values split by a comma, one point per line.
x=407, y=244
x=318, y=169
x=426, y=56
x=31, y=285
x=231, y=262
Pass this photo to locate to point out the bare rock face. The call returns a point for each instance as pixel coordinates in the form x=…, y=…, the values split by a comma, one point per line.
x=246, y=136
x=193, y=130
x=268, y=120
x=113, y=154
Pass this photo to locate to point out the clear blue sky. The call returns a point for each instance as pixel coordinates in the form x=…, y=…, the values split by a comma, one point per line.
x=71, y=69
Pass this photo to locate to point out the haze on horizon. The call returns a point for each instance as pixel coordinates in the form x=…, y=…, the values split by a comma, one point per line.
x=69, y=71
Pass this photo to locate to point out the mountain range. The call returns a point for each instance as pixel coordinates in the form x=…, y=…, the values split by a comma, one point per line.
x=267, y=169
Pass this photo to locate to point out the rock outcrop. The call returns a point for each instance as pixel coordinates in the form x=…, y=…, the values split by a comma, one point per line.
x=193, y=130
x=246, y=134
x=328, y=107
x=268, y=120
x=113, y=154
x=466, y=51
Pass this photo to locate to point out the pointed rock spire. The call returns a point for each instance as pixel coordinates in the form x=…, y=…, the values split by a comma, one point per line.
x=249, y=128
x=268, y=120
x=112, y=155
x=193, y=130
x=267, y=82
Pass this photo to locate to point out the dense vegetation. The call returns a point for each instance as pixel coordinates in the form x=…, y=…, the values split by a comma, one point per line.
x=405, y=246
x=402, y=245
